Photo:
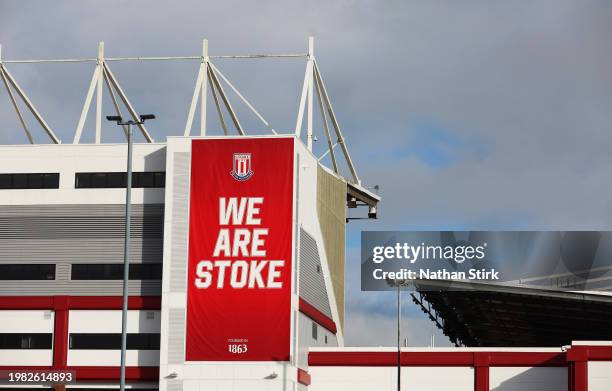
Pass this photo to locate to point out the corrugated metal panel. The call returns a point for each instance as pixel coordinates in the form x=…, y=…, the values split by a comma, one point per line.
x=80, y=210
x=78, y=288
x=75, y=250
x=79, y=221
x=312, y=283
x=66, y=234
x=180, y=222
x=46, y=227
x=331, y=209
x=176, y=336
x=178, y=261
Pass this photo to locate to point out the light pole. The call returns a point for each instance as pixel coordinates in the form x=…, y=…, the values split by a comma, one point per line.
x=126, y=242
x=398, y=284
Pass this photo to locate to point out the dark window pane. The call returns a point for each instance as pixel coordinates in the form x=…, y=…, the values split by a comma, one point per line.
x=160, y=179
x=51, y=181
x=82, y=180
x=136, y=179
x=20, y=181
x=116, y=179
x=112, y=341
x=146, y=271
x=98, y=179
x=6, y=181
x=109, y=271
x=29, y=181
x=147, y=179
x=27, y=272
x=315, y=331
x=114, y=271
x=25, y=341
x=35, y=181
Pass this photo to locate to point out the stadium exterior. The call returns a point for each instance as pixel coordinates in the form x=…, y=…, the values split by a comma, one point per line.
x=237, y=265
x=62, y=247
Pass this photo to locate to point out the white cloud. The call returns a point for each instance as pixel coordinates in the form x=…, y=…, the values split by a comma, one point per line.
x=367, y=329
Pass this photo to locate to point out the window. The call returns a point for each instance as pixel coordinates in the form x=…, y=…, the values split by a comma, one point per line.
x=113, y=180
x=29, y=181
x=25, y=340
x=27, y=272
x=326, y=340
x=114, y=271
x=112, y=341
x=315, y=331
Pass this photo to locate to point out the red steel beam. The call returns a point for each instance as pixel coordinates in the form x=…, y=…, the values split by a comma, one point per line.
x=79, y=302
x=310, y=311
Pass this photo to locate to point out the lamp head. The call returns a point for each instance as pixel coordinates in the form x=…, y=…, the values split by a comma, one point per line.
x=114, y=118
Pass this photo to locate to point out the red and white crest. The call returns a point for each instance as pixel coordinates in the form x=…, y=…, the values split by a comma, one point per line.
x=241, y=170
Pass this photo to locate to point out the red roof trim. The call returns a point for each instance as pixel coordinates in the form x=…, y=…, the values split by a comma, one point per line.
x=589, y=353
x=310, y=311
x=78, y=302
x=449, y=359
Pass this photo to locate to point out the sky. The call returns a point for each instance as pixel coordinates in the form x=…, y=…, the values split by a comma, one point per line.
x=492, y=115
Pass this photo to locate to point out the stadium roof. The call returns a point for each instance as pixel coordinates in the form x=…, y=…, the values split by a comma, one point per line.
x=500, y=315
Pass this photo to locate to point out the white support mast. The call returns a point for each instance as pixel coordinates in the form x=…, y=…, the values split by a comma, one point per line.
x=204, y=85
x=309, y=134
x=330, y=144
x=209, y=77
x=93, y=85
x=103, y=75
x=14, y=102
x=99, y=65
x=127, y=103
x=334, y=121
x=199, y=92
x=217, y=85
x=9, y=81
x=306, y=97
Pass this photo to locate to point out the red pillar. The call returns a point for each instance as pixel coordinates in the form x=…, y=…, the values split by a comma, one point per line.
x=60, y=332
x=580, y=376
x=481, y=371
x=578, y=364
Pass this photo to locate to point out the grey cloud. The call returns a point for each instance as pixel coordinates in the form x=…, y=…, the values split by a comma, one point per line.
x=525, y=87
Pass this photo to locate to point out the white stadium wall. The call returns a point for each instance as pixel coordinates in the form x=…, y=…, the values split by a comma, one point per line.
x=528, y=378
x=385, y=378
x=79, y=226
x=29, y=321
x=600, y=375
x=103, y=322
x=581, y=366
x=68, y=159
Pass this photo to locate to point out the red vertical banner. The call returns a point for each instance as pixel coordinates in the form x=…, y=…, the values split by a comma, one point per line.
x=240, y=250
